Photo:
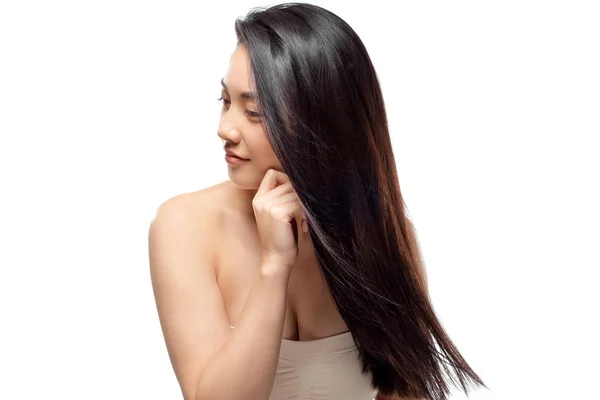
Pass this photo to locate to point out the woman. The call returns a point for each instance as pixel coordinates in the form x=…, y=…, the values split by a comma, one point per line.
x=299, y=277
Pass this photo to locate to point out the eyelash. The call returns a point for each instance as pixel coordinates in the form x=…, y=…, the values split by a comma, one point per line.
x=250, y=113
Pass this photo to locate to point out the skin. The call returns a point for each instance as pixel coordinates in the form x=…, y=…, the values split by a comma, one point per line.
x=242, y=132
x=210, y=236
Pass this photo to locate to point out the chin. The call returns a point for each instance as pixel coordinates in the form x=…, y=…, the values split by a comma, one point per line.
x=249, y=178
x=245, y=181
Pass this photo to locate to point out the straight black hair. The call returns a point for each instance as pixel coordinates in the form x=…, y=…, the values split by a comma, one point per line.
x=326, y=121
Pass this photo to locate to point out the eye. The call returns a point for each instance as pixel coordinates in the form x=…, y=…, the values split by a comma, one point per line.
x=253, y=114
x=225, y=101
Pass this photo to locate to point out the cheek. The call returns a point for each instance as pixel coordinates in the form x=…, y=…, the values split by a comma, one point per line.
x=260, y=147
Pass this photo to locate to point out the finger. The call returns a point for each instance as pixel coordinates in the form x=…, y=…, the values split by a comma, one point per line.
x=271, y=180
x=290, y=209
x=279, y=191
x=282, y=199
x=300, y=224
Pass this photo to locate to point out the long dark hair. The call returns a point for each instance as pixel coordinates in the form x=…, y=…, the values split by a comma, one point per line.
x=326, y=121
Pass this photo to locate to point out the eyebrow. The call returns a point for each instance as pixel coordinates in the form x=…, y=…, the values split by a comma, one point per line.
x=243, y=95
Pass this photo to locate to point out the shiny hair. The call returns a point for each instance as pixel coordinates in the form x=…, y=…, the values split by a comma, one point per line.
x=325, y=119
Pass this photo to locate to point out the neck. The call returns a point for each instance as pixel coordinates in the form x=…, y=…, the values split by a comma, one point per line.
x=243, y=200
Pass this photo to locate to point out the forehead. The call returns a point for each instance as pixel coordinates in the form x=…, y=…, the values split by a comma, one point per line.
x=237, y=77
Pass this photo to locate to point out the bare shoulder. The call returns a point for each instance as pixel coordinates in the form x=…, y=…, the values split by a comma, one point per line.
x=192, y=207
x=191, y=213
x=182, y=266
x=194, y=221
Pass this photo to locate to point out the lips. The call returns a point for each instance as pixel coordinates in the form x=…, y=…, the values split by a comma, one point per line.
x=232, y=154
x=233, y=161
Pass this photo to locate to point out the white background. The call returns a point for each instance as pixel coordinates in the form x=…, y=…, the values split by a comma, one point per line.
x=109, y=108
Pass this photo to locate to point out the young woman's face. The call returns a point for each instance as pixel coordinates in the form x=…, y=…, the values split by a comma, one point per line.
x=240, y=125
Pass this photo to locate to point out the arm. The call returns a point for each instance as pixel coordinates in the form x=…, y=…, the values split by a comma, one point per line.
x=211, y=360
x=246, y=365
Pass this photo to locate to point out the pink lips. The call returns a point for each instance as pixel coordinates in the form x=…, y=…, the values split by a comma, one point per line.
x=233, y=160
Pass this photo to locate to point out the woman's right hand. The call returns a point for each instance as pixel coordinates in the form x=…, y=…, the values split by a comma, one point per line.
x=280, y=219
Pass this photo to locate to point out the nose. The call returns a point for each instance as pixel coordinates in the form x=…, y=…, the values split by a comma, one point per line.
x=228, y=132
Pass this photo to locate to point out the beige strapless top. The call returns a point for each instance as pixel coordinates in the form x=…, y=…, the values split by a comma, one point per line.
x=322, y=369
